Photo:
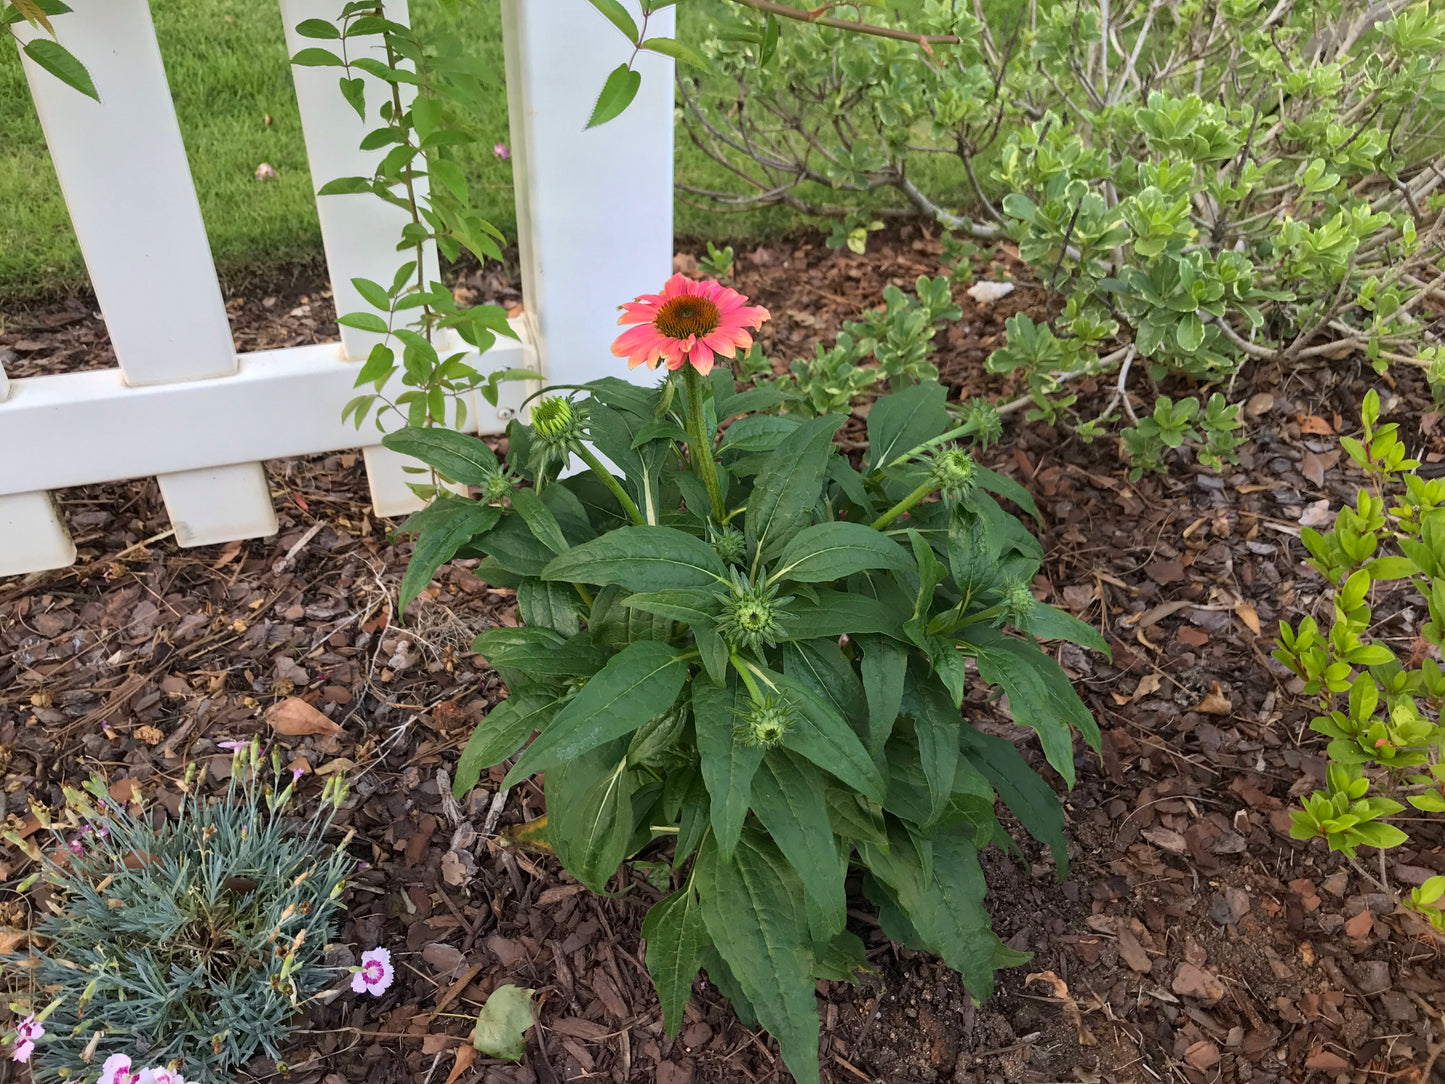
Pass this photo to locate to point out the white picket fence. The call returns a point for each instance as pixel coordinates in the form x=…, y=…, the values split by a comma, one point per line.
x=594, y=212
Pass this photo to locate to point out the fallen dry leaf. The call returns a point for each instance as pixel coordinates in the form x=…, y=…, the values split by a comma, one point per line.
x=11, y=939
x=1314, y=465
x=1071, y=1007
x=1259, y=403
x=985, y=292
x=1249, y=615
x=466, y=1054
x=296, y=719
x=1149, y=683
x=1316, y=513
x=1215, y=702
x=1314, y=425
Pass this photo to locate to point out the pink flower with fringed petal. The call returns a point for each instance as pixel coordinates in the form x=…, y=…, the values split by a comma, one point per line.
x=687, y=323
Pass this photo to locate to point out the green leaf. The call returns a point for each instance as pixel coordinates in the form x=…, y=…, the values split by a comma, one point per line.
x=546, y=605
x=821, y=665
x=617, y=94
x=885, y=664
x=693, y=607
x=640, y=681
x=502, y=1024
x=61, y=63
x=540, y=520
x=675, y=936
x=1006, y=487
x=363, y=321
x=318, y=28
x=752, y=907
x=790, y=484
x=790, y=800
x=503, y=731
x=1189, y=332
x=317, y=58
x=618, y=16
x=728, y=764
x=345, y=186
x=945, y=905
x=677, y=50
x=589, y=815
x=458, y=523
x=821, y=734
x=830, y=551
x=936, y=723
x=539, y=652
x=373, y=292
x=462, y=458
x=899, y=422
x=839, y=613
x=1022, y=789
x=1048, y=623
x=1040, y=694
x=641, y=559
x=354, y=91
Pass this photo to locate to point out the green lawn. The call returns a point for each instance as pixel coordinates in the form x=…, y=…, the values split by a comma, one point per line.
x=228, y=70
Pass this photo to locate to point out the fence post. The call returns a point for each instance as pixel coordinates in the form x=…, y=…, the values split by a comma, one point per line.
x=594, y=206
x=123, y=170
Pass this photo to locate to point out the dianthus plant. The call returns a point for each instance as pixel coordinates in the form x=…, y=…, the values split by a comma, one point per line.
x=187, y=944
x=739, y=647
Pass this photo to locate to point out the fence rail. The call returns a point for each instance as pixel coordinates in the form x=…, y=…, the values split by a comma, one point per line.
x=594, y=211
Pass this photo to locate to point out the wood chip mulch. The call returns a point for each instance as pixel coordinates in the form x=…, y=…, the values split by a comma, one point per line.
x=1192, y=940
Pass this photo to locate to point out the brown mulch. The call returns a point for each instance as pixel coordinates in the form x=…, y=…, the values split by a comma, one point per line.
x=1191, y=941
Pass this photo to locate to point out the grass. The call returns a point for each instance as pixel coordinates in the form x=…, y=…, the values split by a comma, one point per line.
x=228, y=70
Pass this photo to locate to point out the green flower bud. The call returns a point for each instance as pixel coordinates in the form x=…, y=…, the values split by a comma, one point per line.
x=554, y=420
x=1018, y=603
x=766, y=722
x=987, y=422
x=953, y=473
x=729, y=544
x=751, y=614
x=498, y=485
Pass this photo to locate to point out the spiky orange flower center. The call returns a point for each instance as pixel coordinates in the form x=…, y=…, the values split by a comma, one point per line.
x=679, y=317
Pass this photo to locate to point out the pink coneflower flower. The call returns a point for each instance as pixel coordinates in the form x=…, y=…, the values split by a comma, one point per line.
x=117, y=1070
x=502, y=151
x=375, y=973
x=688, y=322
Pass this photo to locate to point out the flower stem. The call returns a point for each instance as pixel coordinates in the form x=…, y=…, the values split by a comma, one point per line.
x=584, y=453
x=924, y=489
x=698, y=443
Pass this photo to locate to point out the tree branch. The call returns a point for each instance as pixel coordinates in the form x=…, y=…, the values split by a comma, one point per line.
x=816, y=16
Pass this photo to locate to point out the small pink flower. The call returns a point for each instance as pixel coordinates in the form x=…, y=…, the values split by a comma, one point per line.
x=22, y=1051
x=117, y=1070
x=77, y=846
x=232, y=746
x=687, y=323
x=502, y=151
x=375, y=973
x=159, y=1076
x=297, y=773
x=28, y=1029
